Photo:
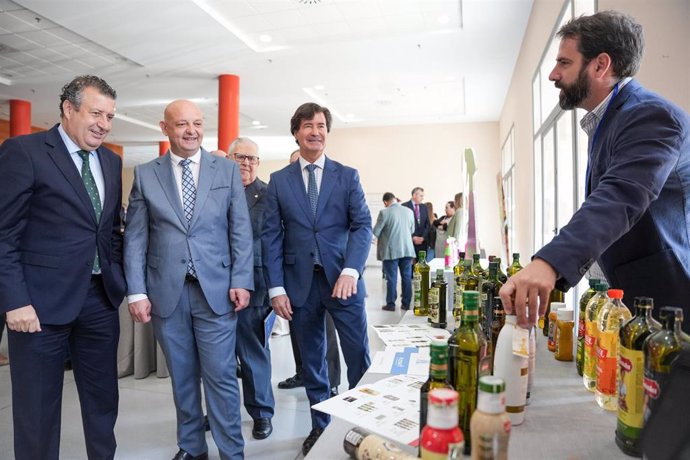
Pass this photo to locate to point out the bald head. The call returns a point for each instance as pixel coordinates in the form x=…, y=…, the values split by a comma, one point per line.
x=183, y=124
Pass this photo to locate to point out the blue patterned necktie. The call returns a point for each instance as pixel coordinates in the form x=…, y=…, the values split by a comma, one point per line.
x=95, y=198
x=188, y=199
x=313, y=193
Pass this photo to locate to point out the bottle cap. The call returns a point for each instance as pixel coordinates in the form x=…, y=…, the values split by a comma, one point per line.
x=593, y=282
x=616, y=293
x=601, y=287
x=422, y=255
x=439, y=273
x=492, y=384
x=516, y=255
x=643, y=302
x=565, y=314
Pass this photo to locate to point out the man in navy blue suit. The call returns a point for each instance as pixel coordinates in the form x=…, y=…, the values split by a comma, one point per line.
x=61, y=260
x=316, y=239
x=635, y=221
x=422, y=226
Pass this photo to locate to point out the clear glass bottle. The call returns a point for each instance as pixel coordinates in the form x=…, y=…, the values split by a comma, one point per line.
x=631, y=367
x=610, y=319
x=420, y=282
x=589, y=374
x=584, y=299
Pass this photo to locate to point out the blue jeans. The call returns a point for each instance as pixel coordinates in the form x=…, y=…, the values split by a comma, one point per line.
x=390, y=271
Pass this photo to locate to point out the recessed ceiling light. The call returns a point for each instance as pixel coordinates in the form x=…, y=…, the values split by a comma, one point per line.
x=256, y=122
x=264, y=38
x=319, y=87
x=443, y=19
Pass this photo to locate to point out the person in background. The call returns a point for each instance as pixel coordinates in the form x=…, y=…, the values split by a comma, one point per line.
x=456, y=224
x=431, y=250
x=332, y=348
x=316, y=239
x=635, y=220
x=441, y=226
x=253, y=353
x=422, y=224
x=190, y=270
x=62, y=278
x=393, y=229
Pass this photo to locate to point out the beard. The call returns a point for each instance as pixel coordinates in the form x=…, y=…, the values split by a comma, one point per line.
x=571, y=96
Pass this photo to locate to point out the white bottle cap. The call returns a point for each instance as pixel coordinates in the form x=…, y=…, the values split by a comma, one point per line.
x=555, y=306
x=565, y=314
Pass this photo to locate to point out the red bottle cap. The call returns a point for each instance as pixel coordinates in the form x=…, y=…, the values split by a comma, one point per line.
x=616, y=293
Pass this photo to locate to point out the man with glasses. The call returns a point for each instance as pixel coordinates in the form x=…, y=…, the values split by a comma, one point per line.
x=252, y=347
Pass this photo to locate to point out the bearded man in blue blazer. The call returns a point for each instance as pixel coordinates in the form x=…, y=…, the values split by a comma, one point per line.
x=316, y=238
x=635, y=221
x=61, y=265
x=189, y=268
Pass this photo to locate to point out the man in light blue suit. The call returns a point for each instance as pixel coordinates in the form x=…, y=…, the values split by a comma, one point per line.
x=315, y=240
x=394, y=228
x=635, y=221
x=189, y=267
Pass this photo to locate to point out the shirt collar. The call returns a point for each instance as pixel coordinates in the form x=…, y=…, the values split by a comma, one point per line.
x=72, y=147
x=196, y=158
x=590, y=121
x=320, y=162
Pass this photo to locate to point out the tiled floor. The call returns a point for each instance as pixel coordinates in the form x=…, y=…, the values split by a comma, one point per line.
x=146, y=424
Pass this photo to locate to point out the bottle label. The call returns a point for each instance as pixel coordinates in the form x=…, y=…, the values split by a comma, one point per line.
x=551, y=342
x=417, y=287
x=653, y=383
x=630, y=392
x=453, y=451
x=590, y=350
x=520, y=341
x=433, y=305
x=607, y=353
x=457, y=301
x=491, y=445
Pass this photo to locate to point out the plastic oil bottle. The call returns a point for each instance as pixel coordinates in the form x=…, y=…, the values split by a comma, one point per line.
x=611, y=318
x=586, y=296
x=564, y=335
x=589, y=374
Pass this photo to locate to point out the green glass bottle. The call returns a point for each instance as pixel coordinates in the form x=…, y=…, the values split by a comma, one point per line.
x=584, y=299
x=469, y=361
x=465, y=281
x=489, y=290
x=555, y=296
x=499, y=274
x=420, y=281
x=437, y=301
x=498, y=319
x=515, y=266
x=631, y=368
x=477, y=267
x=660, y=349
x=438, y=378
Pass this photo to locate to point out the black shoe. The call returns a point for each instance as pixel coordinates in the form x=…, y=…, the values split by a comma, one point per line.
x=311, y=440
x=262, y=428
x=388, y=308
x=405, y=307
x=334, y=392
x=182, y=455
x=291, y=382
x=207, y=426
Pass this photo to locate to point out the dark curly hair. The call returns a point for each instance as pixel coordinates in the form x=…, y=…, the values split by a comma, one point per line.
x=74, y=90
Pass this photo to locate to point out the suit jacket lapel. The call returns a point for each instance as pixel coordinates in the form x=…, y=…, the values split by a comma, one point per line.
x=109, y=172
x=61, y=157
x=207, y=171
x=297, y=184
x=253, y=193
x=165, y=176
x=328, y=180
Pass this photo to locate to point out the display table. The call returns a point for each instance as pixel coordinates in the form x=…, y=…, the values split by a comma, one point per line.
x=563, y=421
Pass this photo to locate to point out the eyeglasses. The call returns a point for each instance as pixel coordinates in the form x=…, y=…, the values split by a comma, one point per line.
x=240, y=158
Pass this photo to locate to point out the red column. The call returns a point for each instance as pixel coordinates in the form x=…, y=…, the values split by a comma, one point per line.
x=228, y=110
x=163, y=147
x=20, y=117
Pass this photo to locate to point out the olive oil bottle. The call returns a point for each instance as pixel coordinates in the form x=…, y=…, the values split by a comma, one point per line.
x=420, y=282
x=470, y=361
x=631, y=367
x=515, y=266
x=437, y=301
x=502, y=277
x=464, y=281
x=438, y=378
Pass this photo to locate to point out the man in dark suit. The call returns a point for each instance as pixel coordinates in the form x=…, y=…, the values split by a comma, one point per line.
x=252, y=351
x=635, y=221
x=61, y=260
x=332, y=348
x=189, y=269
x=422, y=226
x=316, y=239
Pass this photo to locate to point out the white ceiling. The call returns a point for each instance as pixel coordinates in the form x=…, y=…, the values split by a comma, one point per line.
x=372, y=62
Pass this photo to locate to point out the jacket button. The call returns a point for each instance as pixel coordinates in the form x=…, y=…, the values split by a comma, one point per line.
x=184, y=261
